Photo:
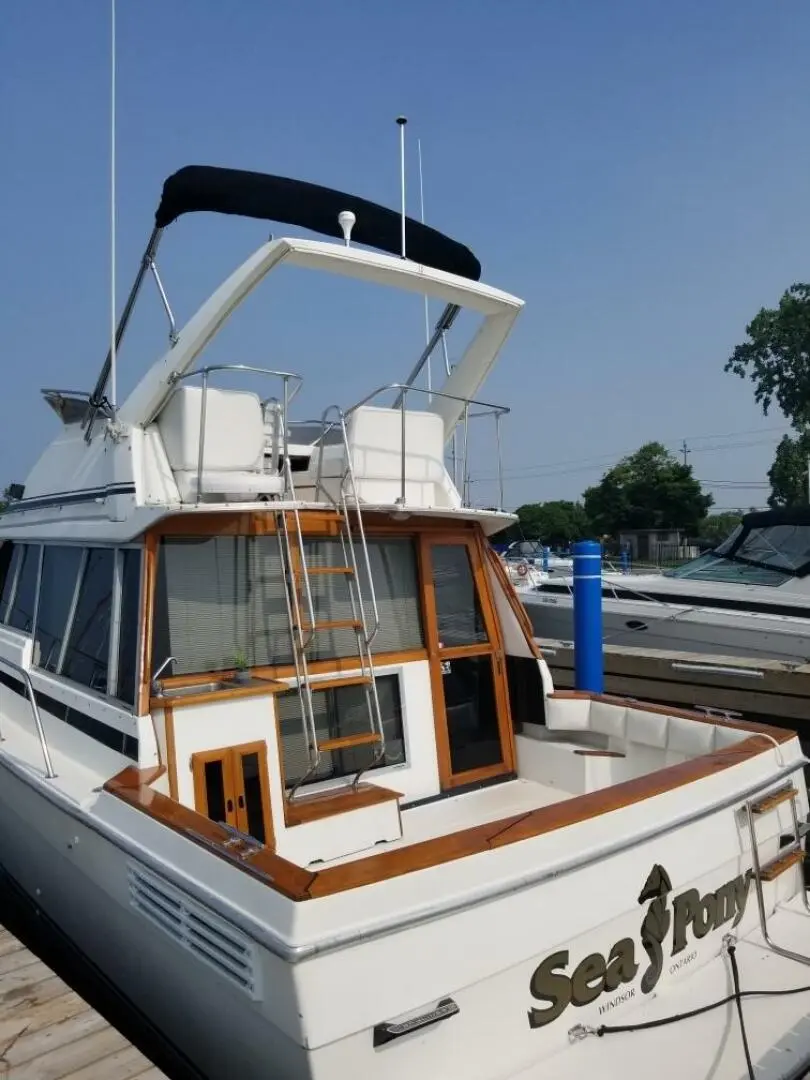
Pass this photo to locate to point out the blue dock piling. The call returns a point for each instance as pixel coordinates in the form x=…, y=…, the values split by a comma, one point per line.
x=589, y=673
x=545, y=558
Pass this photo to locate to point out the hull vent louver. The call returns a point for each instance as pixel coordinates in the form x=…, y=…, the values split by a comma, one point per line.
x=197, y=928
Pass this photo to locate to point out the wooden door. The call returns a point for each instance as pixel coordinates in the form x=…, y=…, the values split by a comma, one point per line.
x=231, y=786
x=470, y=695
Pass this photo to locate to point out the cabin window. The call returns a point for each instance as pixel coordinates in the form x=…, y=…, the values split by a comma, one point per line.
x=393, y=570
x=340, y=712
x=458, y=611
x=222, y=597
x=57, y=592
x=218, y=598
x=21, y=611
x=9, y=562
x=87, y=654
x=129, y=625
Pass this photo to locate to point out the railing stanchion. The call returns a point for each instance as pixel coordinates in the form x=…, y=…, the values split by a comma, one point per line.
x=402, y=412
x=500, y=460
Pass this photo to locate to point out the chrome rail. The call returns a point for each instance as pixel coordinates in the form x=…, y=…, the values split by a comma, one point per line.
x=488, y=409
x=288, y=394
x=364, y=636
x=29, y=689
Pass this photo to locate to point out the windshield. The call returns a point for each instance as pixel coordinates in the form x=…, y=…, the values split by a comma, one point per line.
x=713, y=567
x=767, y=555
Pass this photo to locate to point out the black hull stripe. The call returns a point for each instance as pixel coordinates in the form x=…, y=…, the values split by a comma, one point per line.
x=88, y=725
x=65, y=498
x=683, y=599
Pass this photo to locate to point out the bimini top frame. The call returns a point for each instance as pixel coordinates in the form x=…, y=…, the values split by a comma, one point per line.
x=436, y=266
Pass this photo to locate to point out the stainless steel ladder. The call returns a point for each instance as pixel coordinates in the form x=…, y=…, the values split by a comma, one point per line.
x=790, y=856
x=304, y=624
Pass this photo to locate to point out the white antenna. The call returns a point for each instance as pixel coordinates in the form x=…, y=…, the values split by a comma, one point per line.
x=427, y=313
x=402, y=121
x=113, y=384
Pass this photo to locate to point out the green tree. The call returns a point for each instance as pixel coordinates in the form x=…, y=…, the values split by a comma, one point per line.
x=788, y=474
x=716, y=527
x=556, y=523
x=776, y=356
x=647, y=490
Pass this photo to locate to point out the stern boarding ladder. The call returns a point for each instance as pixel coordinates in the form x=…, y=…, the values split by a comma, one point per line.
x=303, y=619
x=791, y=856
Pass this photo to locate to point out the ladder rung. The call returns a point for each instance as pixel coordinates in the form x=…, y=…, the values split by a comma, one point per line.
x=349, y=740
x=337, y=624
x=772, y=870
x=773, y=799
x=314, y=571
x=344, y=680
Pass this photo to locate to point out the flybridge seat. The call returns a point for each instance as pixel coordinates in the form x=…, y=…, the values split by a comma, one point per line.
x=375, y=447
x=230, y=462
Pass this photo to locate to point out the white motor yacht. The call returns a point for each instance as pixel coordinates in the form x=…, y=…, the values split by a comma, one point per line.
x=280, y=756
x=749, y=596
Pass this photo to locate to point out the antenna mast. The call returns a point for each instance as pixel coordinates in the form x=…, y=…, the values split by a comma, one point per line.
x=427, y=313
x=113, y=383
x=402, y=121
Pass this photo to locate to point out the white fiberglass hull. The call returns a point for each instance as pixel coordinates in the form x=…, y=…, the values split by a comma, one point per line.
x=522, y=969
x=79, y=879
x=652, y=625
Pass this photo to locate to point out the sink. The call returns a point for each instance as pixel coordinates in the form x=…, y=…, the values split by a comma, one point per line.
x=198, y=688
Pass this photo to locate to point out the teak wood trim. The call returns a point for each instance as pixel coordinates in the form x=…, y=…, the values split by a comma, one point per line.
x=260, y=749
x=171, y=750
x=513, y=599
x=198, y=763
x=299, y=884
x=287, y=671
x=132, y=786
x=328, y=803
x=146, y=616
x=493, y=648
x=206, y=697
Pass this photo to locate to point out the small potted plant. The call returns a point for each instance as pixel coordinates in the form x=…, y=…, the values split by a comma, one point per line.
x=242, y=673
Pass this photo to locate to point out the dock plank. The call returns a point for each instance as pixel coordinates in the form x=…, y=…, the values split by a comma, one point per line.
x=48, y=1032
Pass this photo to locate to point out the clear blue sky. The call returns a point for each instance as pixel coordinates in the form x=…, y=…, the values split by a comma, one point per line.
x=637, y=171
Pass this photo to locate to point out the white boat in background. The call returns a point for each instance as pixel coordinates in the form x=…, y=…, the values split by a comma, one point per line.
x=749, y=596
x=280, y=755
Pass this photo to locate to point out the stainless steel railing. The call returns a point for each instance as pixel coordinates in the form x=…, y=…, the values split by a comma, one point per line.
x=291, y=384
x=29, y=690
x=487, y=409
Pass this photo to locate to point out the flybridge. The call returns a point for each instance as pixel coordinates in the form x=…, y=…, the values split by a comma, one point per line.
x=436, y=266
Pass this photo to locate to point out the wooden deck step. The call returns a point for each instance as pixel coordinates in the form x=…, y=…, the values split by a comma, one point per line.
x=304, y=808
x=772, y=870
x=334, y=624
x=48, y=1031
x=773, y=799
x=316, y=571
x=345, y=742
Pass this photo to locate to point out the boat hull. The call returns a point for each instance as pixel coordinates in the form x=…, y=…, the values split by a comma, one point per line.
x=504, y=963
x=649, y=625
x=78, y=877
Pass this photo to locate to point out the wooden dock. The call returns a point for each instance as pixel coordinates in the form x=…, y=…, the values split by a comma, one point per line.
x=47, y=1032
x=772, y=690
